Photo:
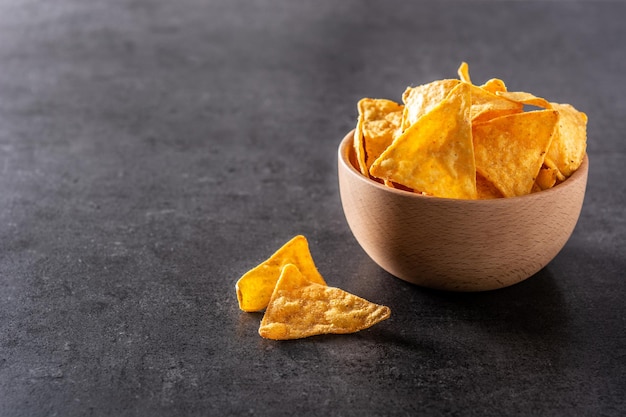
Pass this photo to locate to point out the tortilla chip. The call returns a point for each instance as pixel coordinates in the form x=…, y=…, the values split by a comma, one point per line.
x=379, y=119
x=486, y=105
x=435, y=155
x=546, y=177
x=494, y=86
x=255, y=287
x=485, y=190
x=510, y=150
x=359, y=145
x=525, y=98
x=463, y=73
x=570, y=141
x=300, y=308
x=421, y=99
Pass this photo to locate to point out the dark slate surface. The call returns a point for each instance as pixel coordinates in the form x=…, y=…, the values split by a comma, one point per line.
x=153, y=151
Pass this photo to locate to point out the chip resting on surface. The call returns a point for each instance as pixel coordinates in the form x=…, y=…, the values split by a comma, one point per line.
x=510, y=150
x=301, y=308
x=379, y=120
x=435, y=155
x=254, y=289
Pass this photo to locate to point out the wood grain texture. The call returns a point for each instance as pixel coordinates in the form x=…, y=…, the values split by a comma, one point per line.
x=458, y=245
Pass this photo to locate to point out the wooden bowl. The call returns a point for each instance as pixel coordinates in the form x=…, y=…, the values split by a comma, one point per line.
x=458, y=245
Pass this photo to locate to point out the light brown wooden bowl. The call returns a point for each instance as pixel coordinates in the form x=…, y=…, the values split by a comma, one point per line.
x=458, y=245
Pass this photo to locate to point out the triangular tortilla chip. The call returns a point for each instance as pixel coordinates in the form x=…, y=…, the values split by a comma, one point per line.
x=421, y=99
x=485, y=190
x=255, y=287
x=463, y=73
x=379, y=119
x=510, y=150
x=301, y=308
x=570, y=140
x=487, y=105
x=546, y=177
x=435, y=155
x=525, y=98
x=494, y=86
x=569, y=145
x=359, y=146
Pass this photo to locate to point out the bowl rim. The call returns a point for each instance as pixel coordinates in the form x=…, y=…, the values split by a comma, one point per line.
x=343, y=151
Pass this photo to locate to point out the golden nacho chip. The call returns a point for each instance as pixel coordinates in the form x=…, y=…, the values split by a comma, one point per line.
x=487, y=105
x=255, y=287
x=300, y=308
x=494, y=86
x=463, y=73
x=485, y=189
x=359, y=145
x=546, y=177
x=525, y=98
x=435, y=155
x=421, y=99
x=379, y=119
x=510, y=150
x=570, y=141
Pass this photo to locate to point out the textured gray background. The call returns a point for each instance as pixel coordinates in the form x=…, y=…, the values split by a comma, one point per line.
x=153, y=151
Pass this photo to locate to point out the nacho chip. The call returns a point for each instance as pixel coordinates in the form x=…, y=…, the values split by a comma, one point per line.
x=435, y=155
x=379, y=119
x=510, y=150
x=570, y=141
x=494, y=86
x=463, y=73
x=359, y=145
x=486, y=105
x=255, y=287
x=485, y=189
x=300, y=308
x=546, y=177
x=421, y=99
x=526, y=98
